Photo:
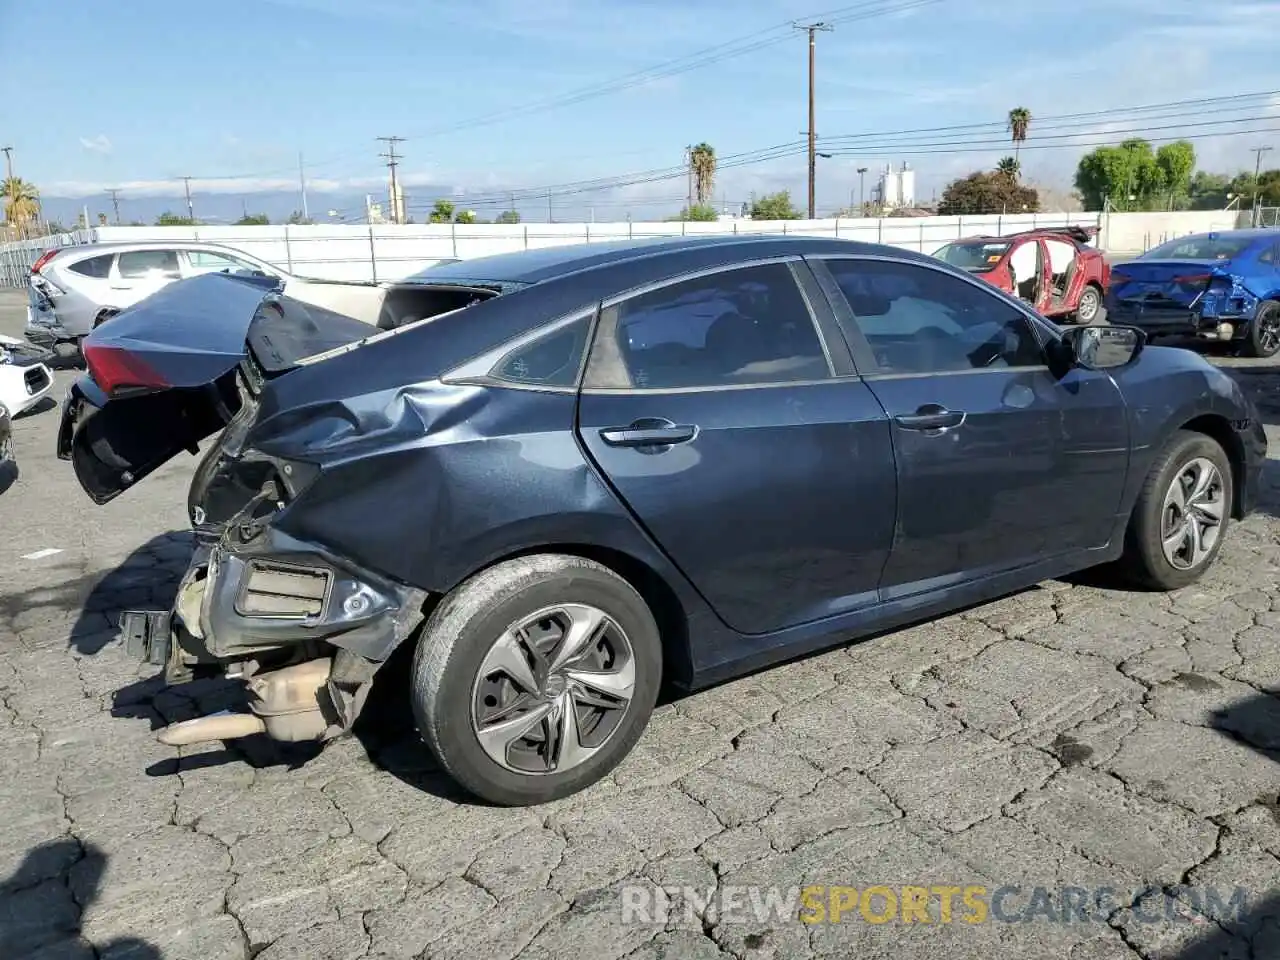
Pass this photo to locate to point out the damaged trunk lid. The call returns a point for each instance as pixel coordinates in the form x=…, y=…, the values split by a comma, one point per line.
x=1154, y=287
x=178, y=368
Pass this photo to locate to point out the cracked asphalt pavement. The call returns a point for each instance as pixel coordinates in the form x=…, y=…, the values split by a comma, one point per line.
x=1072, y=735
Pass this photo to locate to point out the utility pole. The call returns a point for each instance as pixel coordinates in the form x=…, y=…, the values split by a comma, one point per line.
x=1257, y=171
x=688, y=162
x=8, y=162
x=302, y=180
x=812, y=29
x=190, y=211
x=862, y=191
x=115, y=203
x=393, y=161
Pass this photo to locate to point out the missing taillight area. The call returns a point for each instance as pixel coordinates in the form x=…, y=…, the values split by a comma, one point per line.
x=44, y=258
x=120, y=373
x=284, y=591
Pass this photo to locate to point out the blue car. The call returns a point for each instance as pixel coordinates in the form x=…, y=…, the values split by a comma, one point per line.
x=1216, y=286
x=558, y=479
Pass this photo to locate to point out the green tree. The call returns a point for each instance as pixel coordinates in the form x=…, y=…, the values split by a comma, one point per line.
x=702, y=159
x=1008, y=167
x=168, y=219
x=775, y=206
x=1176, y=161
x=1208, y=191
x=507, y=216
x=442, y=212
x=21, y=202
x=1019, y=126
x=1129, y=170
x=987, y=192
x=465, y=216
x=699, y=212
x=253, y=220
x=297, y=219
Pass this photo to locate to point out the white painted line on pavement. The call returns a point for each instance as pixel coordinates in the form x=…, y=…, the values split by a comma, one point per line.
x=41, y=554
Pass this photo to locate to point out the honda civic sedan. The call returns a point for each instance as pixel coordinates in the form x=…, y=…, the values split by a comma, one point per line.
x=578, y=474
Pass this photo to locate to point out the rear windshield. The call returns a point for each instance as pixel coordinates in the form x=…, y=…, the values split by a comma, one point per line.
x=973, y=255
x=1206, y=247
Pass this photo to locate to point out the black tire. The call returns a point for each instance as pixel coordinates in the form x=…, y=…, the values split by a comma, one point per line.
x=1144, y=562
x=458, y=636
x=1090, y=305
x=1263, y=338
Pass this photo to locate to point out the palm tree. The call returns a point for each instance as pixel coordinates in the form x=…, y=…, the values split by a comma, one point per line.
x=21, y=202
x=1019, y=127
x=703, y=160
x=1008, y=168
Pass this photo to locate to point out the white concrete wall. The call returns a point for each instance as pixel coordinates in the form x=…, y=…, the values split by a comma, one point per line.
x=1137, y=232
x=388, y=252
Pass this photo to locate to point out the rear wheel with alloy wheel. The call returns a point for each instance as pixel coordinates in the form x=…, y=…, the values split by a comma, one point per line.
x=534, y=678
x=1263, y=338
x=1181, y=515
x=1090, y=305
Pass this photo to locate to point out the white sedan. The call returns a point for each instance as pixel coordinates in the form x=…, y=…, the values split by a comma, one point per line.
x=24, y=379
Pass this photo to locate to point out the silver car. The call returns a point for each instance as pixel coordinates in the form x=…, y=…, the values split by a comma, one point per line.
x=73, y=289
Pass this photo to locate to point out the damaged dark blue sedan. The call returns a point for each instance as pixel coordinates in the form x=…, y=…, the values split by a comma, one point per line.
x=568, y=476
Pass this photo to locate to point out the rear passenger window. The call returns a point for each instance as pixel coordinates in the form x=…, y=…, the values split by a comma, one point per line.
x=99, y=267
x=138, y=264
x=921, y=320
x=552, y=360
x=745, y=326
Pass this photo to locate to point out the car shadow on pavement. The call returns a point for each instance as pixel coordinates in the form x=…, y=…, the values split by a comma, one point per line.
x=1253, y=932
x=42, y=903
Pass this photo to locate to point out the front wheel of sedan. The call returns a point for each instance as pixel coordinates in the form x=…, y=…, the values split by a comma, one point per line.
x=1263, y=338
x=1182, y=514
x=534, y=678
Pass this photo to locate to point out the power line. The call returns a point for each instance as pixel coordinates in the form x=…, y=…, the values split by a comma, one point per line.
x=708, y=56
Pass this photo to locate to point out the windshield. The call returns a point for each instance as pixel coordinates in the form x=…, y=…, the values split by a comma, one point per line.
x=975, y=255
x=1204, y=247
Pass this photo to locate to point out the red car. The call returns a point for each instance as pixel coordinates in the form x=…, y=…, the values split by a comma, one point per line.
x=1055, y=270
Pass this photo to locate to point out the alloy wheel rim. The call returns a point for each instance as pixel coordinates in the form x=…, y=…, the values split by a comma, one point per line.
x=1089, y=304
x=553, y=689
x=1191, y=518
x=1269, y=332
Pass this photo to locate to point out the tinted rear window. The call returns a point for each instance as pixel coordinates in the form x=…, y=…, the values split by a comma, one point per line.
x=99, y=267
x=1199, y=248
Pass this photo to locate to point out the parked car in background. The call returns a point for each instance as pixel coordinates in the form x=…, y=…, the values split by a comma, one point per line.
x=1053, y=269
x=73, y=289
x=24, y=378
x=1215, y=286
x=585, y=471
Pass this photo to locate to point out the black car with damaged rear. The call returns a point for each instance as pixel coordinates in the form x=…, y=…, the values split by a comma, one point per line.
x=564, y=477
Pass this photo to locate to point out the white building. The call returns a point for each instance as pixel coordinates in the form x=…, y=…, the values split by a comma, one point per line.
x=897, y=188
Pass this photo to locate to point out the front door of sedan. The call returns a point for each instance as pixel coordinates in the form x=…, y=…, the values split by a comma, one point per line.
x=1000, y=462
x=712, y=406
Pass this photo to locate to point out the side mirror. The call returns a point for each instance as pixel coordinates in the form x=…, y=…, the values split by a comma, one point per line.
x=1104, y=348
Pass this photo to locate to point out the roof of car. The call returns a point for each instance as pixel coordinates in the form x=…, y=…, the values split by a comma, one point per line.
x=117, y=246
x=1245, y=233
x=534, y=266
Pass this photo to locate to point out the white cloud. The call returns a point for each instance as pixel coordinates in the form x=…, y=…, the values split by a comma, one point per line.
x=98, y=144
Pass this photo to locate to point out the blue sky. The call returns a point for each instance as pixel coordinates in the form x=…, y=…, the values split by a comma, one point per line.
x=139, y=93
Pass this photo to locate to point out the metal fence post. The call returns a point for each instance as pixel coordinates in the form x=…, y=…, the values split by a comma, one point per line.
x=837, y=228
x=879, y=229
x=784, y=228
x=629, y=236
x=999, y=225
x=920, y=242
x=453, y=235
x=526, y=236
x=373, y=257
x=288, y=250
x=588, y=233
